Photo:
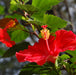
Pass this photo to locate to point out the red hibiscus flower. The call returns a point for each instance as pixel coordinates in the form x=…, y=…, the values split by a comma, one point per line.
x=5, y=38
x=49, y=49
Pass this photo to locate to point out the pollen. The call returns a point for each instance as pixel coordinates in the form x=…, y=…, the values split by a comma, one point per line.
x=45, y=33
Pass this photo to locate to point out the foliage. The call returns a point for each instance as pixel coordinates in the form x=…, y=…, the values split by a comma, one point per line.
x=33, y=68
x=2, y=51
x=52, y=21
x=21, y=36
x=2, y=10
x=13, y=5
x=73, y=54
x=28, y=8
x=28, y=19
x=43, y=6
x=25, y=1
x=17, y=16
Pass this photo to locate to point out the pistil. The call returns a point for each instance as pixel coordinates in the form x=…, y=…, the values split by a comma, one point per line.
x=47, y=45
x=45, y=35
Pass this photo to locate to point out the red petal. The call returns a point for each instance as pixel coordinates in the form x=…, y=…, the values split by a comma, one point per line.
x=37, y=53
x=51, y=44
x=20, y=57
x=5, y=38
x=65, y=40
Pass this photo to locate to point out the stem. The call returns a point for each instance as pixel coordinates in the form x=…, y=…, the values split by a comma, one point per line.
x=32, y=33
x=25, y=15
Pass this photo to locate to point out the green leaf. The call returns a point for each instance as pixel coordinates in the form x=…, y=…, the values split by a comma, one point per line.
x=33, y=68
x=44, y=74
x=2, y=10
x=64, y=56
x=16, y=48
x=73, y=60
x=73, y=66
x=38, y=16
x=25, y=1
x=19, y=35
x=44, y=5
x=53, y=73
x=17, y=16
x=52, y=21
x=2, y=52
x=28, y=8
x=33, y=27
x=73, y=54
x=13, y=5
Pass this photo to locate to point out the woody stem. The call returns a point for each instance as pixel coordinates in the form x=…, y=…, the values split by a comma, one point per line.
x=32, y=33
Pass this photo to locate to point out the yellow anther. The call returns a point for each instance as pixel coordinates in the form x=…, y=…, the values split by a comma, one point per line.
x=45, y=33
x=11, y=24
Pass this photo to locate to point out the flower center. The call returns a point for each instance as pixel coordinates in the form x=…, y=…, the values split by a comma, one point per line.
x=11, y=24
x=45, y=35
x=45, y=32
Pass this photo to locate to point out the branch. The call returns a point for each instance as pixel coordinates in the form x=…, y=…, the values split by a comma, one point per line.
x=32, y=33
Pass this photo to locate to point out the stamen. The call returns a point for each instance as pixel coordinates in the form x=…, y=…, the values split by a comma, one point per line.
x=45, y=32
x=11, y=24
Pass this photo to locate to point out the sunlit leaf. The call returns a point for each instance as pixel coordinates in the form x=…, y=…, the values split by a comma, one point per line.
x=13, y=5
x=28, y=8
x=19, y=35
x=53, y=22
x=43, y=5
x=25, y=1
x=72, y=53
x=17, y=16
x=2, y=10
x=64, y=56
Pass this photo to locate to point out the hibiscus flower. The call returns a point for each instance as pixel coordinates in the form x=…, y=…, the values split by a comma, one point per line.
x=6, y=24
x=48, y=48
x=5, y=38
